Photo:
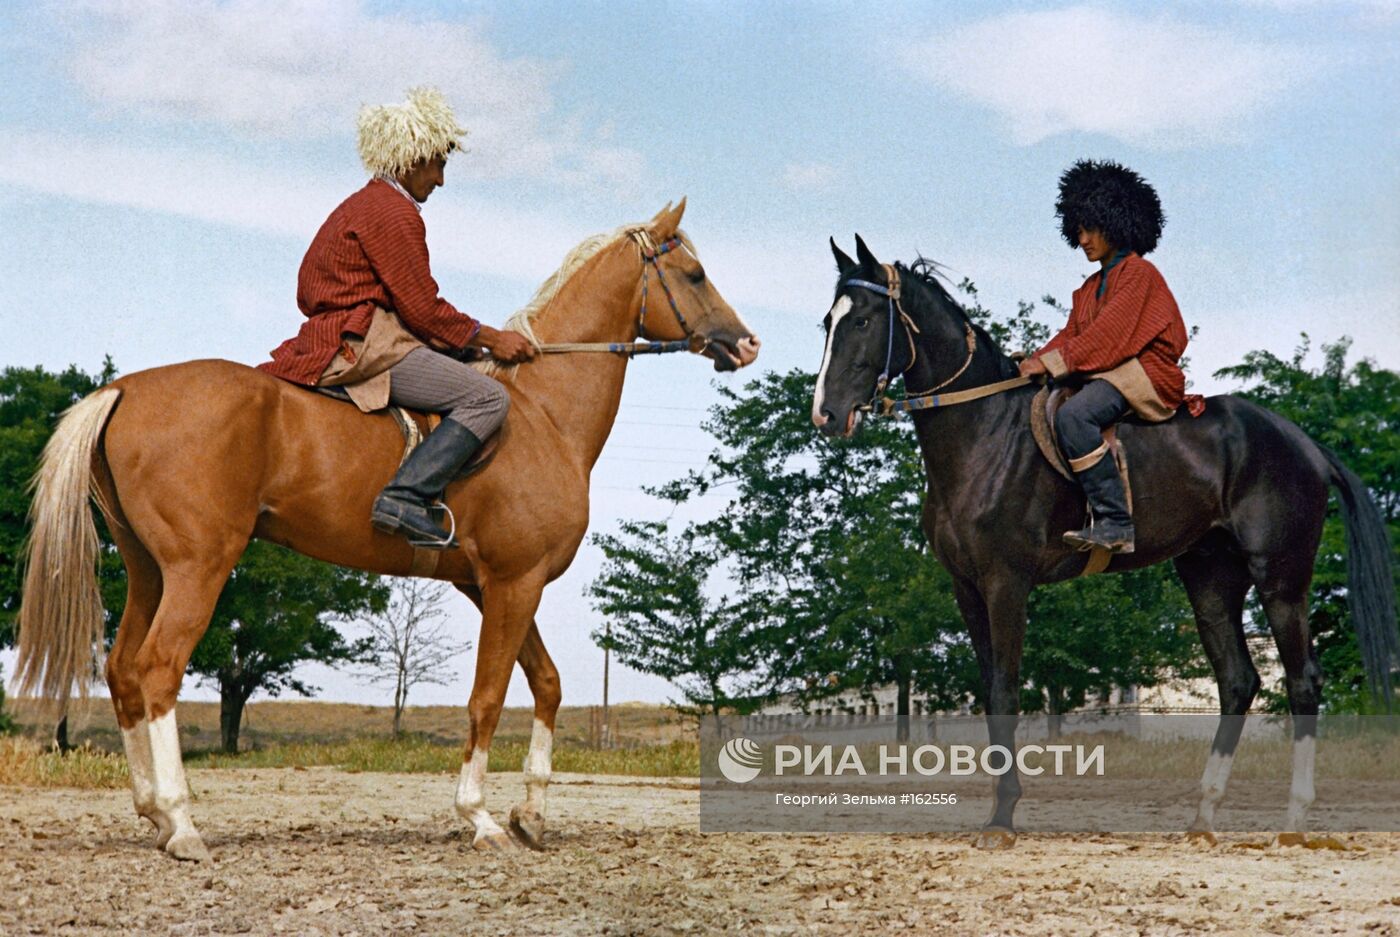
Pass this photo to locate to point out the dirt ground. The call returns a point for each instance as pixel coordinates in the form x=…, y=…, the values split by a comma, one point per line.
x=320, y=851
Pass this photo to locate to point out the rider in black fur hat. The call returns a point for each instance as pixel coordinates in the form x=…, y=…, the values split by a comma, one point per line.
x=1122, y=342
x=1113, y=200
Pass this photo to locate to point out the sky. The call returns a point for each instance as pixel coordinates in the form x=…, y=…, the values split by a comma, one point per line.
x=163, y=166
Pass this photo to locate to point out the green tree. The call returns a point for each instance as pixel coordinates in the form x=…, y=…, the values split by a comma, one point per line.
x=1355, y=411
x=652, y=588
x=277, y=611
x=1087, y=636
x=827, y=534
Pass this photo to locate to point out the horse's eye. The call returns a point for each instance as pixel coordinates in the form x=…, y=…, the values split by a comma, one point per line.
x=862, y=321
x=697, y=277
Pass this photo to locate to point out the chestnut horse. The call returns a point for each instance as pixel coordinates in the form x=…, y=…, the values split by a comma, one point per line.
x=1235, y=498
x=188, y=462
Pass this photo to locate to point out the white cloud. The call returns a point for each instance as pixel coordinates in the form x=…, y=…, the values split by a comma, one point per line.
x=277, y=69
x=467, y=233
x=808, y=176
x=1154, y=81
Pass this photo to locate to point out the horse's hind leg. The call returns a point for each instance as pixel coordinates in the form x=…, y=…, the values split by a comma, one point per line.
x=1217, y=581
x=1283, y=591
x=527, y=818
x=143, y=591
x=186, y=603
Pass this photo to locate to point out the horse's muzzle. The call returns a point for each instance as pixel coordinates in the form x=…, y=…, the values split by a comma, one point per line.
x=729, y=353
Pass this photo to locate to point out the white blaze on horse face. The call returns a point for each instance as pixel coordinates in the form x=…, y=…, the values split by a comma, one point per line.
x=471, y=795
x=1301, y=795
x=538, y=765
x=838, y=312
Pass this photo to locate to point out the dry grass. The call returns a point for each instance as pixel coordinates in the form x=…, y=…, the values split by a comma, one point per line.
x=26, y=763
x=415, y=755
x=273, y=722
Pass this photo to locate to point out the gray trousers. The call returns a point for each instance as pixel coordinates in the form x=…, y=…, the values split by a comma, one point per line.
x=1080, y=422
x=426, y=380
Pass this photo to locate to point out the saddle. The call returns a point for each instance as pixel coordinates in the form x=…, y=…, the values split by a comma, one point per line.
x=415, y=424
x=1043, y=406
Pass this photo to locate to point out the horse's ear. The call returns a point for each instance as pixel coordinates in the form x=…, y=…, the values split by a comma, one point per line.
x=863, y=254
x=844, y=264
x=659, y=215
x=668, y=221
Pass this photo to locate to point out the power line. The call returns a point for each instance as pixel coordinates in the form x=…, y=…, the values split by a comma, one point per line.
x=658, y=406
x=621, y=445
x=646, y=423
x=618, y=458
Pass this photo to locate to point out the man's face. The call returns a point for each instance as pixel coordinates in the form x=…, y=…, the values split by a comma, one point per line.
x=423, y=178
x=1095, y=246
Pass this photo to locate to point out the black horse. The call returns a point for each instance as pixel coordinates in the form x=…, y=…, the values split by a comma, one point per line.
x=1235, y=498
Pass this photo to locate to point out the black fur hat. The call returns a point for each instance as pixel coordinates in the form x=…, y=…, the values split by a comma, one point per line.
x=1110, y=198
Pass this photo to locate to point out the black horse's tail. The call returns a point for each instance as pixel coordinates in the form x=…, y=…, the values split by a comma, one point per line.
x=1370, y=585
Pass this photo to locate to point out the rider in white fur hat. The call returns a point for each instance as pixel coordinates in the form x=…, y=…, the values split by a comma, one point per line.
x=375, y=324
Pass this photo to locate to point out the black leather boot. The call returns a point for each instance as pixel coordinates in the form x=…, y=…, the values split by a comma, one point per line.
x=407, y=504
x=1112, y=525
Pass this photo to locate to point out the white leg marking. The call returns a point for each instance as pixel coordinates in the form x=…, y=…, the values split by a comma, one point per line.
x=1213, y=782
x=137, y=742
x=172, y=793
x=838, y=312
x=538, y=764
x=1301, y=795
x=471, y=796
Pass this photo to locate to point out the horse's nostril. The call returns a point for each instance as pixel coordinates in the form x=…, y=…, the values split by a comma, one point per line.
x=828, y=415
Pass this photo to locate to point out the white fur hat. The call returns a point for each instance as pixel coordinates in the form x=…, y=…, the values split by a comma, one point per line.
x=393, y=137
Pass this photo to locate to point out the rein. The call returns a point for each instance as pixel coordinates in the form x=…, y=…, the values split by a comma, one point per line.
x=929, y=399
x=651, y=254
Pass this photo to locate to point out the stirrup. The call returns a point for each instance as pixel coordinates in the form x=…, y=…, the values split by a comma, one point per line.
x=449, y=541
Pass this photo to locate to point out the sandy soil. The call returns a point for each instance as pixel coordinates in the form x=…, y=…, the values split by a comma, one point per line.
x=323, y=852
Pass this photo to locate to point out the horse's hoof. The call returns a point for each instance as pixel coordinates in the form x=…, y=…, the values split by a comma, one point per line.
x=1201, y=838
x=163, y=830
x=528, y=827
x=494, y=842
x=1290, y=839
x=188, y=847
x=995, y=838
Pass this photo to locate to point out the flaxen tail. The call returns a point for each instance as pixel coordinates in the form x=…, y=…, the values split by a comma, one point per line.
x=60, y=617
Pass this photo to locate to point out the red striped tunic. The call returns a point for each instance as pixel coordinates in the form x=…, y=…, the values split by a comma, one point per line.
x=1137, y=317
x=372, y=251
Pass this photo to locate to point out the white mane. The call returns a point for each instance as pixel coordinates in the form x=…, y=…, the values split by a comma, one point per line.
x=523, y=320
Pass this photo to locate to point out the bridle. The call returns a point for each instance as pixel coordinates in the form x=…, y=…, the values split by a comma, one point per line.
x=651, y=260
x=892, y=295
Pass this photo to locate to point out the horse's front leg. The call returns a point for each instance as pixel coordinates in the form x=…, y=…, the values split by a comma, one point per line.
x=508, y=611
x=996, y=619
x=527, y=818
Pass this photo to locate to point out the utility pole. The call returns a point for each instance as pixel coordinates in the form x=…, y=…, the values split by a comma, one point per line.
x=607, y=724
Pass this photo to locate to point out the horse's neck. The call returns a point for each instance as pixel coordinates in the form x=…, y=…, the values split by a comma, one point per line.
x=580, y=392
x=942, y=351
x=948, y=435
